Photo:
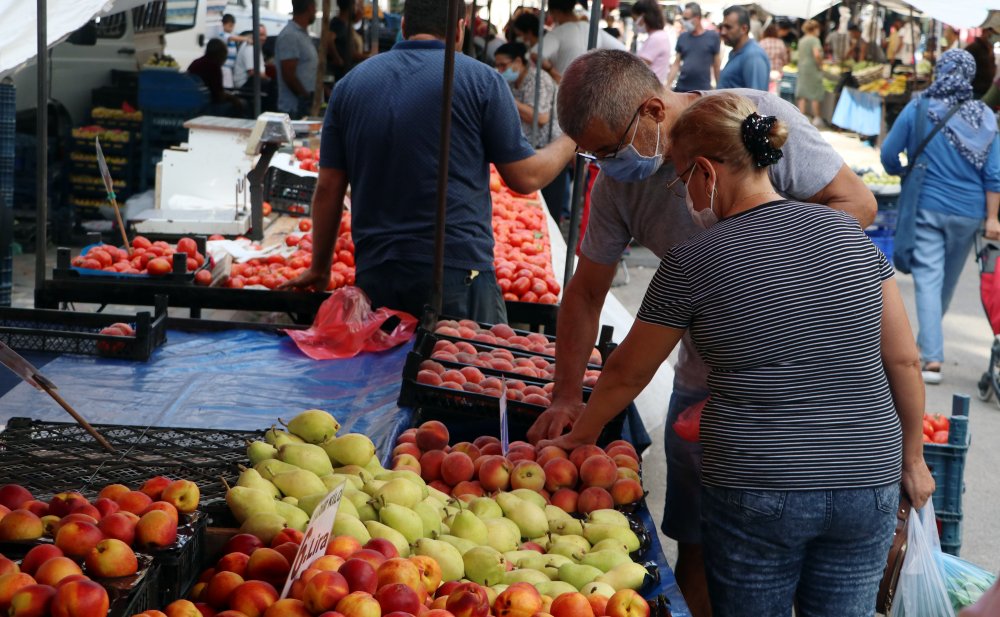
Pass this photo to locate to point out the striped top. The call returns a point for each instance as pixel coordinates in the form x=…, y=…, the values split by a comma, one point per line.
x=787, y=316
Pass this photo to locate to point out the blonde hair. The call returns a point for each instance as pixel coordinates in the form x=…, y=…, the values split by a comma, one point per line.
x=712, y=127
x=811, y=27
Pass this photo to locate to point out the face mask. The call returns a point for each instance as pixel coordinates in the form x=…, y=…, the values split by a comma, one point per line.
x=688, y=24
x=510, y=75
x=629, y=165
x=701, y=218
x=640, y=27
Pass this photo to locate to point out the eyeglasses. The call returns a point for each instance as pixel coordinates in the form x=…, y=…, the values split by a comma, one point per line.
x=672, y=185
x=590, y=156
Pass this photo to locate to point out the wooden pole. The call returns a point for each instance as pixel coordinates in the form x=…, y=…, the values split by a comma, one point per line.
x=76, y=416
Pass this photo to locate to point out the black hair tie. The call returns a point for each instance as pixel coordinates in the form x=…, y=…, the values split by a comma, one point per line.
x=757, y=139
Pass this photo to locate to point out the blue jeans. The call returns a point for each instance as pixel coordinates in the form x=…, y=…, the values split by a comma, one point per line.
x=941, y=250
x=682, y=510
x=825, y=550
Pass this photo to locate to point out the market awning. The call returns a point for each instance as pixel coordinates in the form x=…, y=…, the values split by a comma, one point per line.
x=19, y=41
x=957, y=13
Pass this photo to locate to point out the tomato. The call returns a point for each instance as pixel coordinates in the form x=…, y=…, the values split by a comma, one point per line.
x=338, y=279
x=940, y=437
x=305, y=225
x=192, y=264
x=940, y=422
x=266, y=208
x=276, y=259
x=187, y=245
x=521, y=285
x=510, y=297
x=236, y=282
x=927, y=438
x=539, y=287
x=504, y=284
x=529, y=296
x=928, y=427
x=292, y=240
x=203, y=277
x=141, y=242
x=159, y=266
x=91, y=264
x=345, y=257
x=548, y=298
x=100, y=256
x=216, y=237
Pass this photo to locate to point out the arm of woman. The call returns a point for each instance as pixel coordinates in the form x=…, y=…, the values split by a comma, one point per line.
x=628, y=371
x=895, y=142
x=902, y=368
x=526, y=112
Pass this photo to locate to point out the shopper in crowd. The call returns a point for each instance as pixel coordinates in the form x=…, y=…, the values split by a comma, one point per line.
x=961, y=188
x=297, y=61
x=950, y=39
x=816, y=406
x=658, y=49
x=748, y=65
x=347, y=48
x=243, y=69
x=520, y=74
x=902, y=43
x=383, y=121
x=786, y=32
x=982, y=52
x=208, y=68
x=756, y=25
x=569, y=38
x=233, y=42
x=616, y=110
x=696, y=63
x=809, y=91
x=777, y=53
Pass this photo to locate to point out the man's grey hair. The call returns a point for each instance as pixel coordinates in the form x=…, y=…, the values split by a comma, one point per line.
x=604, y=84
x=694, y=7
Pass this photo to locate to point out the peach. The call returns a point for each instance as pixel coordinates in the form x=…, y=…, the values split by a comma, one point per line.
x=32, y=601
x=468, y=448
x=360, y=575
x=521, y=452
x=594, y=498
x=359, y=604
x=220, y=588
x=267, y=564
x=287, y=534
x=324, y=592
x=38, y=508
x=567, y=499
x=431, y=378
x=62, y=503
x=406, y=462
x=371, y=557
x=456, y=467
x=12, y=496
x=9, y=567
x=76, y=539
x=166, y=507
x=113, y=491
x=399, y=570
x=599, y=471
x=111, y=559
x=155, y=529
x=87, y=509
x=407, y=448
x=253, y=598
x=327, y=563
x=243, y=543
x=491, y=449
x=626, y=491
x=154, y=487
x=55, y=569
x=398, y=597
x=627, y=603
x=430, y=465
x=623, y=461
x=181, y=608
x=105, y=506
x=433, y=435
x=20, y=525
x=623, y=450
x=527, y=474
x=549, y=453
x=204, y=609
x=38, y=555
x=10, y=584
x=430, y=572
x=289, y=607
x=118, y=526
x=466, y=488
x=571, y=605
x=233, y=562
x=468, y=600
x=135, y=502
x=197, y=591
x=598, y=603
x=298, y=586
x=343, y=546
x=518, y=600
x=183, y=495
x=80, y=599
x=410, y=434
x=582, y=453
x=626, y=473
x=494, y=473
x=560, y=473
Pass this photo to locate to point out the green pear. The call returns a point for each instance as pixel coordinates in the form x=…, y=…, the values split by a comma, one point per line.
x=347, y=525
x=625, y=576
x=290, y=500
x=400, y=492
x=543, y=541
x=308, y=504
x=484, y=565
x=436, y=494
x=430, y=516
x=350, y=449
x=555, y=513
x=333, y=480
x=578, y=575
x=595, y=532
x=447, y=556
x=602, y=589
x=298, y=483
x=528, y=495
x=566, y=549
x=529, y=518
x=251, y=478
x=355, y=471
x=373, y=466
x=604, y=560
x=539, y=563
x=406, y=474
x=277, y=437
x=608, y=516
x=485, y=508
x=346, y=505
x=581, y=544
x=361, y=501
x=294, y=517
x=518, y=557
x=271, y=467
x=468, y=526
x=403, y=520
x=372, y=486
x=532, y=577
x=244, y=502
x=258, y=451
x=380, y=530
x=554, y=589
x=263, y=525
x=306, y=456
x=461, y=544
x=610, y=544
x=566, y=526
x=313, y=426
x=515, y=531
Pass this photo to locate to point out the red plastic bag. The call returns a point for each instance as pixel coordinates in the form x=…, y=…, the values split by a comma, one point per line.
x=346, y=325
x=688, y=423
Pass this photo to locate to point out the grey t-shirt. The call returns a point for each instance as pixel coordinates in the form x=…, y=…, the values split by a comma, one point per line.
x=697, y=58
x=294, y=43
x=650, y=212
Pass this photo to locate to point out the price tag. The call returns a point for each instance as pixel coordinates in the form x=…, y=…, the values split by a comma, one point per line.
x=317, y=536
x=504, y=438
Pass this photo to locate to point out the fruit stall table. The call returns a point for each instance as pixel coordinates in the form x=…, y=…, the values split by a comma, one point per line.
x=242, y=379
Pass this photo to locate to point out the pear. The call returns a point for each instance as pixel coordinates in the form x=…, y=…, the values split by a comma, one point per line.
x=538, y=562
x=298, y=483
x=578, y=575
x=294, y=517
x=347, y=525
x=555, y=513
x=258, y=451
x=595, y=532
x=313, y=426
x=277, y=437
x=244, y=502
x=532, y=577
x=566, y=526
x=362, y=503
x=271, y=467
x=379, y=530
x=626, y=576
x=290, y=500
x=355, y=471
x=517, y=558
x=604, y=560
x=500, y=536
x=430, y=516
x=372, y=486
x=602, y=589
x=543, y=541
x=251, y=478
x=306, y=456
x=468, y=526
x=403, y=520
x=529, y=518
x=436, y=494
x=346, y=505
x=484, y=565
x=400, y=492
x=610, y=544
x=515, y=531
x=447, y=556
x=373, y=466
x=350, y=449
x=263, y=525
x=461, y=544
x=529, y=495
x=333, y=480
x=579, y=542
x=554, y=589
x=485, y=508
x=406, y=474
x=308, y=504
x=608, y=516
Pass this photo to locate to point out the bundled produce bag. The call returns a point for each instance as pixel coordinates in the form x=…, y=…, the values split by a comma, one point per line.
x=688, y=422
x=987, y=606
x=346, y=325
x=921, y=591
x=966, y=582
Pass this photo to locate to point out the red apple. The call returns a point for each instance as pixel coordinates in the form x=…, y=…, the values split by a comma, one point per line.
x=360, y=575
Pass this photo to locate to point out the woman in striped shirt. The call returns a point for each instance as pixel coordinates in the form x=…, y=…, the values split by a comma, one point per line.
x=816, y=404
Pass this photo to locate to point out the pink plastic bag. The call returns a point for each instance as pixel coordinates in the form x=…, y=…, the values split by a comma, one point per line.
x=346, y=325
x=688, y=423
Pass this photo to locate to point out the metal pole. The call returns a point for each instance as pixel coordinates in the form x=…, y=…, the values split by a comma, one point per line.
x=538, y=71
x=913, y=47
x=42, y=147
x=373, y=28
x=257, y=51
x=580, y=168
x=437, y=299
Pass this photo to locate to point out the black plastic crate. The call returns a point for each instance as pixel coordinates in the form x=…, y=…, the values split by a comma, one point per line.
x=288, y=192
x=52, y=457
x=537, y=317
x=180, y=565
x=180, y=275
x=67, y=332
x=130, y=595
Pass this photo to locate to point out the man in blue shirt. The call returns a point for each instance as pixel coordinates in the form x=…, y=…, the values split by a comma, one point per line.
x=697, y=58
x=748, y=65
x=381, y=136
x=296, y=61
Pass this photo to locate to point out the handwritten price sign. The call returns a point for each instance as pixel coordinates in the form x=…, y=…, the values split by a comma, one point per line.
x=317, y=536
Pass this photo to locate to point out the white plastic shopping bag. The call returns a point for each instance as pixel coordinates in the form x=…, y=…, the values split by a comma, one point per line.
x=921, y=591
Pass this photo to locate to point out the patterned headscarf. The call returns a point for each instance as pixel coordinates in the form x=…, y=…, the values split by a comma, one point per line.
x=972, y=130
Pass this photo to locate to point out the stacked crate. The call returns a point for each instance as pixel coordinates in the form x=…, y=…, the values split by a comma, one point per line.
x=7, y=106
x=119, y=133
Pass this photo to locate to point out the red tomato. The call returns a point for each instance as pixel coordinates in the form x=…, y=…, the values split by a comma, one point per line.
x=521, y=285
x=346, y=258
x=504, y=284
x=548, y=298
x=203, y=277
x=305, y=225
x=539, y=287
x=529, y=296
x=236, y=282
x=187, y=245
x=192, y=264
x=510, y=297
x=293, y=240
x=91, y=264
x=940, y=437
x=100, y=256
x=159, y=266
x=928, y=428
x=141, y=242
x=940, y=422
x=216, y=237
x=266, y=208
x=927, y=438
x=275, y=259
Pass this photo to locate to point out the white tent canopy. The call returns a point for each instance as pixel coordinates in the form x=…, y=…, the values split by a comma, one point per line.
x=20, y=41
x=958, y=13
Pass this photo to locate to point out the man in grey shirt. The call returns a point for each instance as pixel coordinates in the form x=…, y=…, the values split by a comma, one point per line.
x=618, y=113
x=297, y=61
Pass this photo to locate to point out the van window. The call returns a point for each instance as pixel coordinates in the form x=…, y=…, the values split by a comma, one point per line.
x=151, y=16
x=181, y=14
x=111, y=26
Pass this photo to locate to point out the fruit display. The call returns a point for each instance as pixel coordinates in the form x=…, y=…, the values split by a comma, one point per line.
x=308, y=158
x=887, y=87
x=163, y=61
x=147, y=258
x=874, y=178
x=936, y=428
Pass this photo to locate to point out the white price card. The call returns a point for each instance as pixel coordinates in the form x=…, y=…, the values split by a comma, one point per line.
x=317, y=536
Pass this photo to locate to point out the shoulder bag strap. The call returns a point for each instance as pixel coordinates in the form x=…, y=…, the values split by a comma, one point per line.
x=934, y=131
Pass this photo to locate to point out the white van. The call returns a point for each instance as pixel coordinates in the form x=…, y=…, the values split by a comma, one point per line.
x=191, y=23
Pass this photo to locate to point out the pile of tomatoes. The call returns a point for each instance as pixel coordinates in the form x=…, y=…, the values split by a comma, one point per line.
x=308, y=158
x=146, y=258
x=935, y=428
x=522, y=256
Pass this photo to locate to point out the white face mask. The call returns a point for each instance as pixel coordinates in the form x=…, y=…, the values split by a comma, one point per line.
x=640, y=26
x=701, y=218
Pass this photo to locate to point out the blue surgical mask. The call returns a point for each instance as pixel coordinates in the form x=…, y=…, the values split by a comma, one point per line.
x=510, y=75
x=629, y=165
x=688, y=24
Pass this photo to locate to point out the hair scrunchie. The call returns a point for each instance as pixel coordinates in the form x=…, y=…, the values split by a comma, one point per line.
x=757, y=139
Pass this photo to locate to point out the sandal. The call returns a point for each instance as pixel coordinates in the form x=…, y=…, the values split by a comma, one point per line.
x=931, y=372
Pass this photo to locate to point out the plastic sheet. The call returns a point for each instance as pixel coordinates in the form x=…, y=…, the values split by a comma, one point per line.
x=236, y=379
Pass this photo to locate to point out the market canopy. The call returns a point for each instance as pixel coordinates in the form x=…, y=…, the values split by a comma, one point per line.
x=19, y=43
x=958, y=13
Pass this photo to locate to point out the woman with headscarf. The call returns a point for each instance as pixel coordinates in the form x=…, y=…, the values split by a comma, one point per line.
x=961, y=188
